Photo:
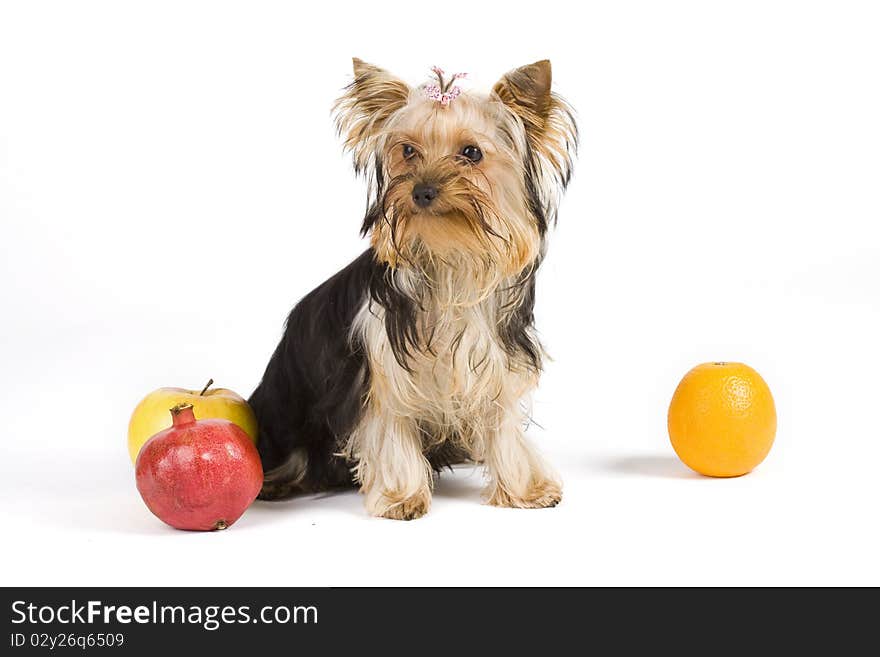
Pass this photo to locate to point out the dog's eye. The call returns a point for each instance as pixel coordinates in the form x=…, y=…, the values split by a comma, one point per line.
x=472, y=153
x=408, y=151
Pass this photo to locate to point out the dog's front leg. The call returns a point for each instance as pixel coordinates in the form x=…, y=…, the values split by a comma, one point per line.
x=395, y=477
x=518, y=475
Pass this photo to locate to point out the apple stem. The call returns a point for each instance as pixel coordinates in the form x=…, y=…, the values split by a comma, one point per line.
x=220, y=524
x=205, y=389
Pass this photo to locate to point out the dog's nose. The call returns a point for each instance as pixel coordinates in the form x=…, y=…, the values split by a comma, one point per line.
x=423, y=194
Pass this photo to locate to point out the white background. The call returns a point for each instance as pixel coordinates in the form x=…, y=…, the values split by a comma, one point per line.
x=170, y=184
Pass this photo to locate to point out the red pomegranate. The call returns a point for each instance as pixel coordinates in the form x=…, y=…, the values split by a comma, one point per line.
x=198, y=474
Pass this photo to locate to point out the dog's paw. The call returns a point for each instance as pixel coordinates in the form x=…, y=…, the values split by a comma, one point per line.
x=277, y=491
x=539, y=495
x=397, y=507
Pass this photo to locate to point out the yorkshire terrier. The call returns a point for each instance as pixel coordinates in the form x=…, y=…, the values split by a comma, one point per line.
x=421, y=354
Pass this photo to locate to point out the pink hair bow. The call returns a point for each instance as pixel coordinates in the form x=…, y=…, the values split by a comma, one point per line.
x=443, y=91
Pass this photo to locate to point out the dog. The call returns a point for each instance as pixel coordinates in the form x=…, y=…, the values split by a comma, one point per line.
x=421, y=353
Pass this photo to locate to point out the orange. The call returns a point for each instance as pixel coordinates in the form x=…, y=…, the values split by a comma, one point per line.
x=722, y=419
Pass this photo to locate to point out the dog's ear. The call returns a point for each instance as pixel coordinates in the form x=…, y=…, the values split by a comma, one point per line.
x=526, y=91
x=363, y=110
x=549, y=124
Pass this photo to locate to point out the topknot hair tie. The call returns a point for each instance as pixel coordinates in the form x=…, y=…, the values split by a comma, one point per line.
x=442, y=90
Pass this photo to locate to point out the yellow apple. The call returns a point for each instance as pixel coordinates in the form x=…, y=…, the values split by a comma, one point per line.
x=151, y=415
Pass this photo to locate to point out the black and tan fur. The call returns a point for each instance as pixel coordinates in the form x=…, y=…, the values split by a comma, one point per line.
x=422, y=353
